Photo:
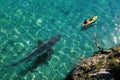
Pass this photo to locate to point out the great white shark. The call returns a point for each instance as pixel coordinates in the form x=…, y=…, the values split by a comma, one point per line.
x=39, y=50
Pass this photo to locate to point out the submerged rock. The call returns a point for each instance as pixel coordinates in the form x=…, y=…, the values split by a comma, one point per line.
x=104, y=65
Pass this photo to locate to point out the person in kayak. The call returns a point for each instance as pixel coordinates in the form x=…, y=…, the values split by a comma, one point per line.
x=86, y=21
x=89, y=21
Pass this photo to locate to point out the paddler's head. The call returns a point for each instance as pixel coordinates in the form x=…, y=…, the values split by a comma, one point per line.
x=85, y=22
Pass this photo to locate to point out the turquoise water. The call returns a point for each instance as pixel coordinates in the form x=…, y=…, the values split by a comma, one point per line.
x=23, y=22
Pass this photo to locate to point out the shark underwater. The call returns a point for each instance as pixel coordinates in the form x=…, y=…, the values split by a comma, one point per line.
x=41, y=49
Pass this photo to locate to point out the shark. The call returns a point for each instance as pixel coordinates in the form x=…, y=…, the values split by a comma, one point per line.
x=39, y=50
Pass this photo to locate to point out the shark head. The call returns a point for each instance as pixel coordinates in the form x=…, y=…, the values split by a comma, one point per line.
x=53, y=40
x=48, y=43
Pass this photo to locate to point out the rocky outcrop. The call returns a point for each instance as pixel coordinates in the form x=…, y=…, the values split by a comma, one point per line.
x=103, y=65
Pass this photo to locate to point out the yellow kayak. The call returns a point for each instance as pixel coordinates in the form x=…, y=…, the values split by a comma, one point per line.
x=89, y=21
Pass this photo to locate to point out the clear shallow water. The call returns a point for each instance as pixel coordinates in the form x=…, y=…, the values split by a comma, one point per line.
x=22, y=23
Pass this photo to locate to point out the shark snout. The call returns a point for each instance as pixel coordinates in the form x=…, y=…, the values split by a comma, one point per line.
x=58, y=36
x=53, y=40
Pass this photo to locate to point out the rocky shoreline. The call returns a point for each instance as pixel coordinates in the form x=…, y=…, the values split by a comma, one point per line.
x=103, y=65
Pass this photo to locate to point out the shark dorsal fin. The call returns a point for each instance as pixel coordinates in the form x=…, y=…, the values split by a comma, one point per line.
x=39, y=42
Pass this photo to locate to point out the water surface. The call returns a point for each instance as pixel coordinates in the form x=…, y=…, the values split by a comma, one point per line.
x=23, y=22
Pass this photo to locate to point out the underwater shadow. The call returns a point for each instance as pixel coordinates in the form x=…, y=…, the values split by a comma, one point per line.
x=87, y=27
x=69, y=75
x=40, y=60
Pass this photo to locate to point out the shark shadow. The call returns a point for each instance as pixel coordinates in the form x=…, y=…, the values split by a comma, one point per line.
x=39, y=51
x=40, y=60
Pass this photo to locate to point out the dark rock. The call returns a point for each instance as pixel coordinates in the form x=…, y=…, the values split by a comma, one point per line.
x=103, y=65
